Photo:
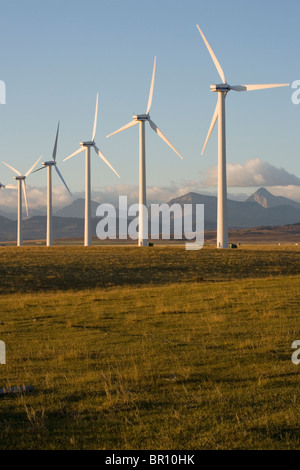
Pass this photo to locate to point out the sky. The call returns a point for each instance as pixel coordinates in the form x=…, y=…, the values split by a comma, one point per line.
x=56, y=55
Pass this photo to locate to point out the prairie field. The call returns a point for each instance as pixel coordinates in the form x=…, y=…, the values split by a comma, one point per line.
x=156, y=348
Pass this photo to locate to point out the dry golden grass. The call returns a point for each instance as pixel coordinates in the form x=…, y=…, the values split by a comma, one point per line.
x=34, y=269
x=174, y=358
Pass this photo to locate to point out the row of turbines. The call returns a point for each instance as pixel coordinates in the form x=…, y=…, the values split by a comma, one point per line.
x=139, y=119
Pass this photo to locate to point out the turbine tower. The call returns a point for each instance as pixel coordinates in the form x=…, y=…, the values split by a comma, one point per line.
x=141, y=119
x=222, y=90
x=87, y=147
x=49, y=165
x=21, y=183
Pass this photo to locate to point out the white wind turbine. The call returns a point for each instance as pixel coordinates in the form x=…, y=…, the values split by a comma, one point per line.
x=7, y=186
x=49, y=165
x=21, y=183
x=87, y=146
x=141, y=119
x=222, y=90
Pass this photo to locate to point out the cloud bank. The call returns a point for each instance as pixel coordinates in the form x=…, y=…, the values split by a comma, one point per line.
x=252, y=174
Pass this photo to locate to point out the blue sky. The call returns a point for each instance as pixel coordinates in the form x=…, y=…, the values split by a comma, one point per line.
x=56, y=55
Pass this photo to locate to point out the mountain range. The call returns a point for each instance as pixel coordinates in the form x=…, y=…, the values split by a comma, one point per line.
x=260, y=209
x=257, y=210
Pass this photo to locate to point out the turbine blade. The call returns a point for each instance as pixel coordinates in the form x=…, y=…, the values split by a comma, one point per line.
x=25, y=196
x=13, y=169
x=151, y=88
x=257, y=87
x=55, y=145
x=75, y=153
x=105, y=159
x=130, y=124
x=33, y=166
x=10, y=186
x=215, y=60
x=163, y=137
x=62, y=179
x=42, y=168
x=239, y=88
x=212, y=125
x=95, y=119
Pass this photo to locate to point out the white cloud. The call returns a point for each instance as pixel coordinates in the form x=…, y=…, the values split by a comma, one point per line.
x=291, y=192
x=155, y=194
x=37, y=198
x=253, y=173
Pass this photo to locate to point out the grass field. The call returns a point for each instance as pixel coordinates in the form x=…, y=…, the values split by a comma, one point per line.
x=154, y=348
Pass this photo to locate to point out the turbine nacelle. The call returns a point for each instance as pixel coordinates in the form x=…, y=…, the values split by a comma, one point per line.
x=87, y=144
x=141, y=117
x=50, y=163
x=222, y=87
x=19, y=178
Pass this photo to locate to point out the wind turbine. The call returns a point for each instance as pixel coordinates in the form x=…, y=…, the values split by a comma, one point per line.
x=222, y=90
x=87, y=147
x=7, y=186
x=141, y=119
x=21, y=183
x=49, y=165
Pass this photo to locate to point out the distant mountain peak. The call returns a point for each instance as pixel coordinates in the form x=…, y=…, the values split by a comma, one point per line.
x=76, y=209
x=267, y=200
x=263, y=192
x=262, y=197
